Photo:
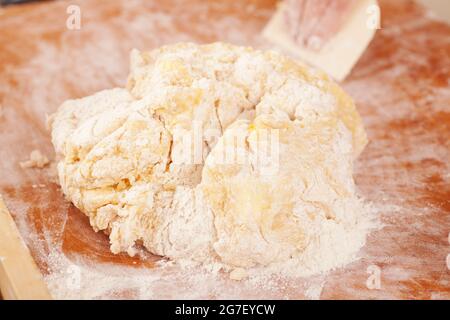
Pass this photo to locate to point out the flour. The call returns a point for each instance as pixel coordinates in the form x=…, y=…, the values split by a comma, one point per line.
x=314, y=291
x=238, y=274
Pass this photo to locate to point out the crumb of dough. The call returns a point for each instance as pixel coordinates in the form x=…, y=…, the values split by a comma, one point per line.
x=35, y=186
x=238, y=274
x=37, y=160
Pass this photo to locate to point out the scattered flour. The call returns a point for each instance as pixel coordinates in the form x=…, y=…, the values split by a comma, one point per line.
x=315, y=290
x=238, y=274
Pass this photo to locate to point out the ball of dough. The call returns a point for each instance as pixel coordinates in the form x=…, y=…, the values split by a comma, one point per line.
x=123, y=159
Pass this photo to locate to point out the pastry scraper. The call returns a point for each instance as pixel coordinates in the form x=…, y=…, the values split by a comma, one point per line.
x=339, y=54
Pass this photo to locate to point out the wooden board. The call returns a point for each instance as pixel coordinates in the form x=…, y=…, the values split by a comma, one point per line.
x=401, y=87
x=20, y=278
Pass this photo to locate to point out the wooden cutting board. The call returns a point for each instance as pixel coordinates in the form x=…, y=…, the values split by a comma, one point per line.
x=401, y=87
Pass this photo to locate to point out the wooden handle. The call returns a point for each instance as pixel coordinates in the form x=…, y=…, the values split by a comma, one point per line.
x=20, y=277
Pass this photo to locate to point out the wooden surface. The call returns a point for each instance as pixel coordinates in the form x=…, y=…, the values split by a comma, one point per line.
x=20, y=278
x=401, y=87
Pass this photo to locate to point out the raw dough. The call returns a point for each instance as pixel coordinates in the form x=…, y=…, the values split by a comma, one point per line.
x=37, y=160
x=120, y=162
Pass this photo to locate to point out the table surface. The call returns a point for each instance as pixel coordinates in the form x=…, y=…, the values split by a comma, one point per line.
x=401, y=88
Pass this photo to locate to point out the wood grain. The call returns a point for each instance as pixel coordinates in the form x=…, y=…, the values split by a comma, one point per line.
x=401, y=87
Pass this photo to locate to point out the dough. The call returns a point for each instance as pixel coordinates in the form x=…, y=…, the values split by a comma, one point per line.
x=260, y=218
x=123, y=162
x=37, y=160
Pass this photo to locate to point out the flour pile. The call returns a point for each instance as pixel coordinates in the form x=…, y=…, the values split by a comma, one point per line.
x=226, y=156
